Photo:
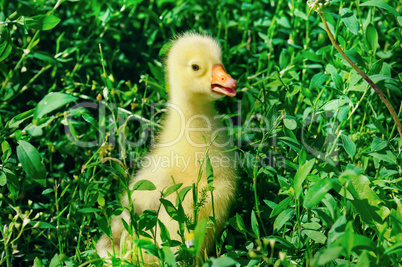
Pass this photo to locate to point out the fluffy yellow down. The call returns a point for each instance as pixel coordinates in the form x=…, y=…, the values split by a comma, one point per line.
x=191, y=120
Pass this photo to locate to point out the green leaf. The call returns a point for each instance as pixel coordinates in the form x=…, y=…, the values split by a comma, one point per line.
x=42, y=22
x=379, y=77
x=292, y=143
x=47, y=191
x=367, y=203
x=143, y=185
x=305, y=91
x=334, y=105
x=165, y=49
x=6, y=151
x=34, y=130
x=105, y=16
x=16, y=121
x=281, y=207
x=311, y=226
x=44, y=225
x=118, y=169
x=311, y=56
x=182, y=194
x=147, y=220
x=5, y=45
x=55, y=262
x=31, y=162
x=157, y=72
x=91, y=120
x=396, y=248
x=337, y=230
x=103, y=225
x=209, y=171
x=46, y=57
x=64, y=191
x=316, y=193
x=283, y=58
x=354, y=56
x=372, y=37
x=301, y=175
x=170, y=209
x=168, y=256
x=181, y=216
x=270, y=203
x=284, y=217
x=223, y=261
x=350, y=20
x=172, y=189
x=381, y=4
x=38, y=263
x=348, y=238
x=147, y=245
x=52, y=101
x=317, y=81
x=263, y=36
x=290, y=122
x=363, y=259
x=127, y=227
x=316, y=236
x=362, y=241
x=376, y=68
x=349, y=145
x=300, y=14
x=240, y=224
x=3, y=178
x=13, y=183
x=164, y=233
x=388, y=157
x=199, y=234
x=349, y=173
x=378, y=144
x=328, y=255
x=254, y=224
x=338, y=81
x=88, y=210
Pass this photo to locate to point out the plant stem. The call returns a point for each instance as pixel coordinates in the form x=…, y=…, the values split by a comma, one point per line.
x=365, y=77
x=255, y=175
x=56, y=197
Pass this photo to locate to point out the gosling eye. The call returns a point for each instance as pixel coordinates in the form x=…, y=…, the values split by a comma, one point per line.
x=195, y=67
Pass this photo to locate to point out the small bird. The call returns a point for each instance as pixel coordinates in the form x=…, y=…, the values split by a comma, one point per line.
x=192, y=129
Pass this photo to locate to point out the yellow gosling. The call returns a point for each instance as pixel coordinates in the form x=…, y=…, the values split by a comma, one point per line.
x=196, y=79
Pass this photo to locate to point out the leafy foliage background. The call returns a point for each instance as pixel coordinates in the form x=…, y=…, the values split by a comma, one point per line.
x=321, y=167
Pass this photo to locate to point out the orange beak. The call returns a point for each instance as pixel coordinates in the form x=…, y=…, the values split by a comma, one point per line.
x=222, y=83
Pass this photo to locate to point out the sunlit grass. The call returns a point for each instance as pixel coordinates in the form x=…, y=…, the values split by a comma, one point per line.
x=319, y=154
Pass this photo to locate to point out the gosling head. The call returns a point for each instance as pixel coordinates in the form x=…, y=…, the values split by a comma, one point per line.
x=195, y=70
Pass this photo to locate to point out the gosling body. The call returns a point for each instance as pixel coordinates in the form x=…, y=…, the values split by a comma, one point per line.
x=196, y=79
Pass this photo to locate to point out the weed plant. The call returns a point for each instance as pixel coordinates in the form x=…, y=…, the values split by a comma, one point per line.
x=82, y=94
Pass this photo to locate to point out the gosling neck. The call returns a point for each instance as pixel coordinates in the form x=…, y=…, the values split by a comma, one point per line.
x=192, y=105
x=189, y=125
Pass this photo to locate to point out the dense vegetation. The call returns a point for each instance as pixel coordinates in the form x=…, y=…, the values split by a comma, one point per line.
x=319, y=154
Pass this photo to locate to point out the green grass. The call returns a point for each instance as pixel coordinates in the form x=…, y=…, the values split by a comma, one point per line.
x=321, y=175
